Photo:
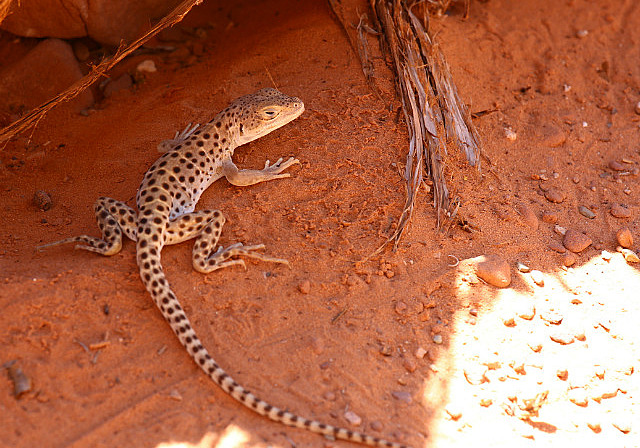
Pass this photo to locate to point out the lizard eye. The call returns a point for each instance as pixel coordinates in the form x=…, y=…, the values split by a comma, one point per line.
x=269, y=113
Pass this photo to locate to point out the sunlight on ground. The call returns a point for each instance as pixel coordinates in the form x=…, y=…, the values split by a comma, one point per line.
x=232, y=437
x=512, y=374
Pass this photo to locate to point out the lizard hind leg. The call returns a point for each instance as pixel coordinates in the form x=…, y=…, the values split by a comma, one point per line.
x=114, y=218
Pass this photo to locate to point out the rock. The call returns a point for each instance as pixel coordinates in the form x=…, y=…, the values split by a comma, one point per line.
x=528, y=217
x=554, y=195
x=559, y=230
x=527, y=311
x=629, y=255
x=105, y=21
x=41, y=74
x=594, y=426
x=556, y=246
x=619, y=211
x=578, y=397
x=622, y=425
x=562, y=374
x=409, y=364
x=636, y=108
x=353, y=418
x=624, y=237
x=561, y=338
x=42, y=200
x=493, y=270
x=537, y=277
x=420, y=353
x=121, y=83
x=453, y=412
x=587, y=213
x=536, y=347
x=552, y=317
x=606, y=255
x=522, y=267
x=147, y=66
x=550, y=217
x=304, y=287
x=437, y=338
x=576, y=241
x=616, y=166
x=509, y=322
x=475, y=375
x=569, y=259
x=402, y=396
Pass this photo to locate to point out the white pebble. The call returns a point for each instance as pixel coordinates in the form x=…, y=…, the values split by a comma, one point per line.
x=147, y=66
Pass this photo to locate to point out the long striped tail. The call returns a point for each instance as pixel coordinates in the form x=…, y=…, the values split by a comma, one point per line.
x=156, y=283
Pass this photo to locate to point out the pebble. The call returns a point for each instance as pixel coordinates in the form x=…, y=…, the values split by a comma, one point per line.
x=376, y=425
x=175, y=395
x=527, y=312
x=536, y=347
x=329, y=396
x=437, y=338
x=493, y=270
x=594, y=426
x=21, y=382
x=637, y=108
x=616, y=166
x=475, y=375
x=550, y=217
x=42, y=200
x=624, y=237
x=619, y=211
x=622, y=426
x=562, y=374
x=304, y=287
x=606, y=255
x=353, y=418
x=420, y=353
x=509, y=322
x=561, y=338
x=485, y=402
x=409, y=364
x=569, y=259
x=453, y=412
x=473, y=312
x=554, y=195
x=579, y=397
x=556, y=246
x=587, y=213
x=147, y=66
x=510, y=134
x=522, y=267
x=559, y=230
x=402, y=395
x=576, y=241
x=537, y=277
x=528, y=217
x=552, y=317
x=629, y=255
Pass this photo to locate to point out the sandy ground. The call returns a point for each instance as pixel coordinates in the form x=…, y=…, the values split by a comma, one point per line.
x=404, y=345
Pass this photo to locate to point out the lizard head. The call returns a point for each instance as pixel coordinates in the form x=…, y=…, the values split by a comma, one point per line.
x=257, y=114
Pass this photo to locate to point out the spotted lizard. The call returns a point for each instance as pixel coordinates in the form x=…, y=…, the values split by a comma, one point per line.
x=193, y=160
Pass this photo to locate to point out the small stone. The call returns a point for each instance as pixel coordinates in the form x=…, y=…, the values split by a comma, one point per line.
x=519, y=369
x=401, y=307
x=561, y=338
x=587, y=213
x=569, y=259
x=402, y=396
x=594, y=426
x=578, y=397
x=582, y=33
x=475, y=375
x=619, y=211
x=576, y=241
x=454, y=413
x=522, y=267
x=329, y=395
x=385, y=350
x=376, y=425
x=304, y=287
x=536, y=347
x=616, y=166
x=636, y=108
x=493, y=270
x=353, y=418
x=420, y=353
x=559, y=230
x=175, y=395
x=537, y=277
x=554, y=195
x=437, y=338
x=550, y=217
x=147, y=66
x=527, y=312
x=485, y=402
x=528, y=217
x=624, y=237
x=556, y=246
x=509, y=322
x=622, y=425
x=562, y=374
x=629, y=255
x=409, y=364
x=473, y=312
x=551, y=316
x=606, y=255
x=510, y=134
x=42, y=200
x=580, y=335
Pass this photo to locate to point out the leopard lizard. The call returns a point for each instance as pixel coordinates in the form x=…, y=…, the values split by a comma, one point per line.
x=193, y=160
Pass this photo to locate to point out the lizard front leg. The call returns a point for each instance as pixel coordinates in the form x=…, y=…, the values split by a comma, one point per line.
x=242, y=178
x=114, y=218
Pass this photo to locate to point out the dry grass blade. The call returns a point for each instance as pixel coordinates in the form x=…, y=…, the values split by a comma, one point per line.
x=39, y=112
x=4, y=9
x=431, y=105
